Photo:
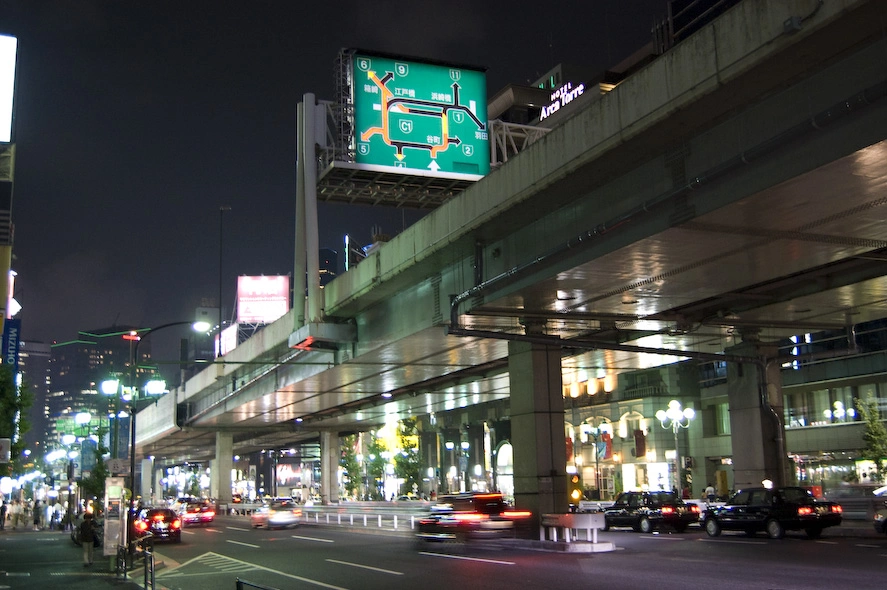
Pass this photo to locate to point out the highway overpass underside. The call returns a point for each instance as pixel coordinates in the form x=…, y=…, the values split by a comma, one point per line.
x=737, y=183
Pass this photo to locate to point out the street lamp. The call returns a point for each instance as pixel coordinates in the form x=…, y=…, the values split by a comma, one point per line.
x=675, y=418
x=136, y=337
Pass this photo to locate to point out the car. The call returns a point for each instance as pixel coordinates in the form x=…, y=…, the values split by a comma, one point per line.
x=774, y=511
x=880, y=510
x=277, y=514
x=158, y=524
x=649, y=511
x=197, y=513
x=470, y=516
x=859, y=500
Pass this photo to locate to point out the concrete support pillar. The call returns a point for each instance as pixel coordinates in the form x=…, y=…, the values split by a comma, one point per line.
x=329, y=467
x=220, y=480
x=537, y=427
x=158, y=495
x=757, y=425
x=146, y=485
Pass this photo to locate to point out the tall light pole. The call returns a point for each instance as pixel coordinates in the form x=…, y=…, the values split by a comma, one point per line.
x=675, y=418
x=136, y=337
x=222, y=210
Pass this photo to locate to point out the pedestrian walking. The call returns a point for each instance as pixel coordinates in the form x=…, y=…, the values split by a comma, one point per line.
x=35, y=512
x=3, y=509
x=16, y=511
x=710, y=493
x=87, y=538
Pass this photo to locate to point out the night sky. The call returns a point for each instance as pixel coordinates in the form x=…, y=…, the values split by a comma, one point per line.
x=137, y=119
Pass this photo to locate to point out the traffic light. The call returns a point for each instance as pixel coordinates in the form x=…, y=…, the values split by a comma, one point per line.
x=574, y=488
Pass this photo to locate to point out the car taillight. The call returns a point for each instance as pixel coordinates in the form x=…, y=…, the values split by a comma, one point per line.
x=176, y=523
x=517, y=514
x=297, y=511
x=667, y=510
x=804, y=510
x=158, y=517
x=474, y=516
x=694, y=508
x=836, y=508
x=141, y=525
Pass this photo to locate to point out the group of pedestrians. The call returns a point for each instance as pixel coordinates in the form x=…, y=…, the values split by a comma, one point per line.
x=17, y=514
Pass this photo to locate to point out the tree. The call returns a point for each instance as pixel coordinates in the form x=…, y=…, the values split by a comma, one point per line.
x=375, y=463
x=350, y=466
x=875, y=435
x=94, y=485
x=14, y=424
x=407, y=462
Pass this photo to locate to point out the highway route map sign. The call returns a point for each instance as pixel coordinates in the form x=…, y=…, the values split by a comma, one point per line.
x=420, y=118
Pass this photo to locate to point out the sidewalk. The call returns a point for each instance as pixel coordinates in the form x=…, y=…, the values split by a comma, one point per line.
x=25, y=563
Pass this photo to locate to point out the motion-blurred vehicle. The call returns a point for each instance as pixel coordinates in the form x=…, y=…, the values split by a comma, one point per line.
x=277, y=514
x=649, y=511
x=880, y=510
x=163, y=524
x=470, y=516
x=197, y=513
x=773, y=511
x=859, y=500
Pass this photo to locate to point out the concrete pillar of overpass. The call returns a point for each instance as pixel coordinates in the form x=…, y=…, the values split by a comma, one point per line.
x=757, y=422
x=220, y=480
x=146, y=485
x=537, y=428
x=158, y=495
x=329, y=466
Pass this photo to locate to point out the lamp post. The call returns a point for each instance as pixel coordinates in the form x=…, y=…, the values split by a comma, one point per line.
x=222, y=210
x=136, y=338
x=675, y=418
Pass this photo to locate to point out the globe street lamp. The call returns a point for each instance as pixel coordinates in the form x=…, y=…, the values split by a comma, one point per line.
x=136, y=337
x=675, y=418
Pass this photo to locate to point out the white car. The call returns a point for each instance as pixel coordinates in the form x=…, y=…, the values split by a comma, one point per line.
x=278, y=514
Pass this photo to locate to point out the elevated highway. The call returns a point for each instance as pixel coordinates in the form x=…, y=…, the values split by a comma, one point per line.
x=733, y=190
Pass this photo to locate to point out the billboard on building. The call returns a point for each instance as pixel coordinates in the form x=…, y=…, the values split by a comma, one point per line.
x=227, y=340
x=8, y=51
x=261, y=300
x=419, y=117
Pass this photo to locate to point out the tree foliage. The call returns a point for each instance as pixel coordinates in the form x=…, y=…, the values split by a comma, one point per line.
x=14, y=424
x=407, y=462
x=874, y=437
x=375, y=463
x=350, y=465
x=94, y=484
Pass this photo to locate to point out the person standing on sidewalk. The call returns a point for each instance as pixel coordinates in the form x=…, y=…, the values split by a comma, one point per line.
x=15, y=512
x=3, y=509
x=35, y=512
x=87, y=538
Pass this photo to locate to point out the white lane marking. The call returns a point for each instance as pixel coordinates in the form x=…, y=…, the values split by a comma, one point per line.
x=188, y=532
x=366, y=567
x=735, y=542
x=244, y=544
x=259, y=567
x=237, y=528
x=213, y=530
x=467, y=558
x=827, y=542
x=317, y=539
x=669, y=537
x=869, y=546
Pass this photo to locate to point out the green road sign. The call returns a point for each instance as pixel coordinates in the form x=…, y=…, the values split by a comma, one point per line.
x=418, y=116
